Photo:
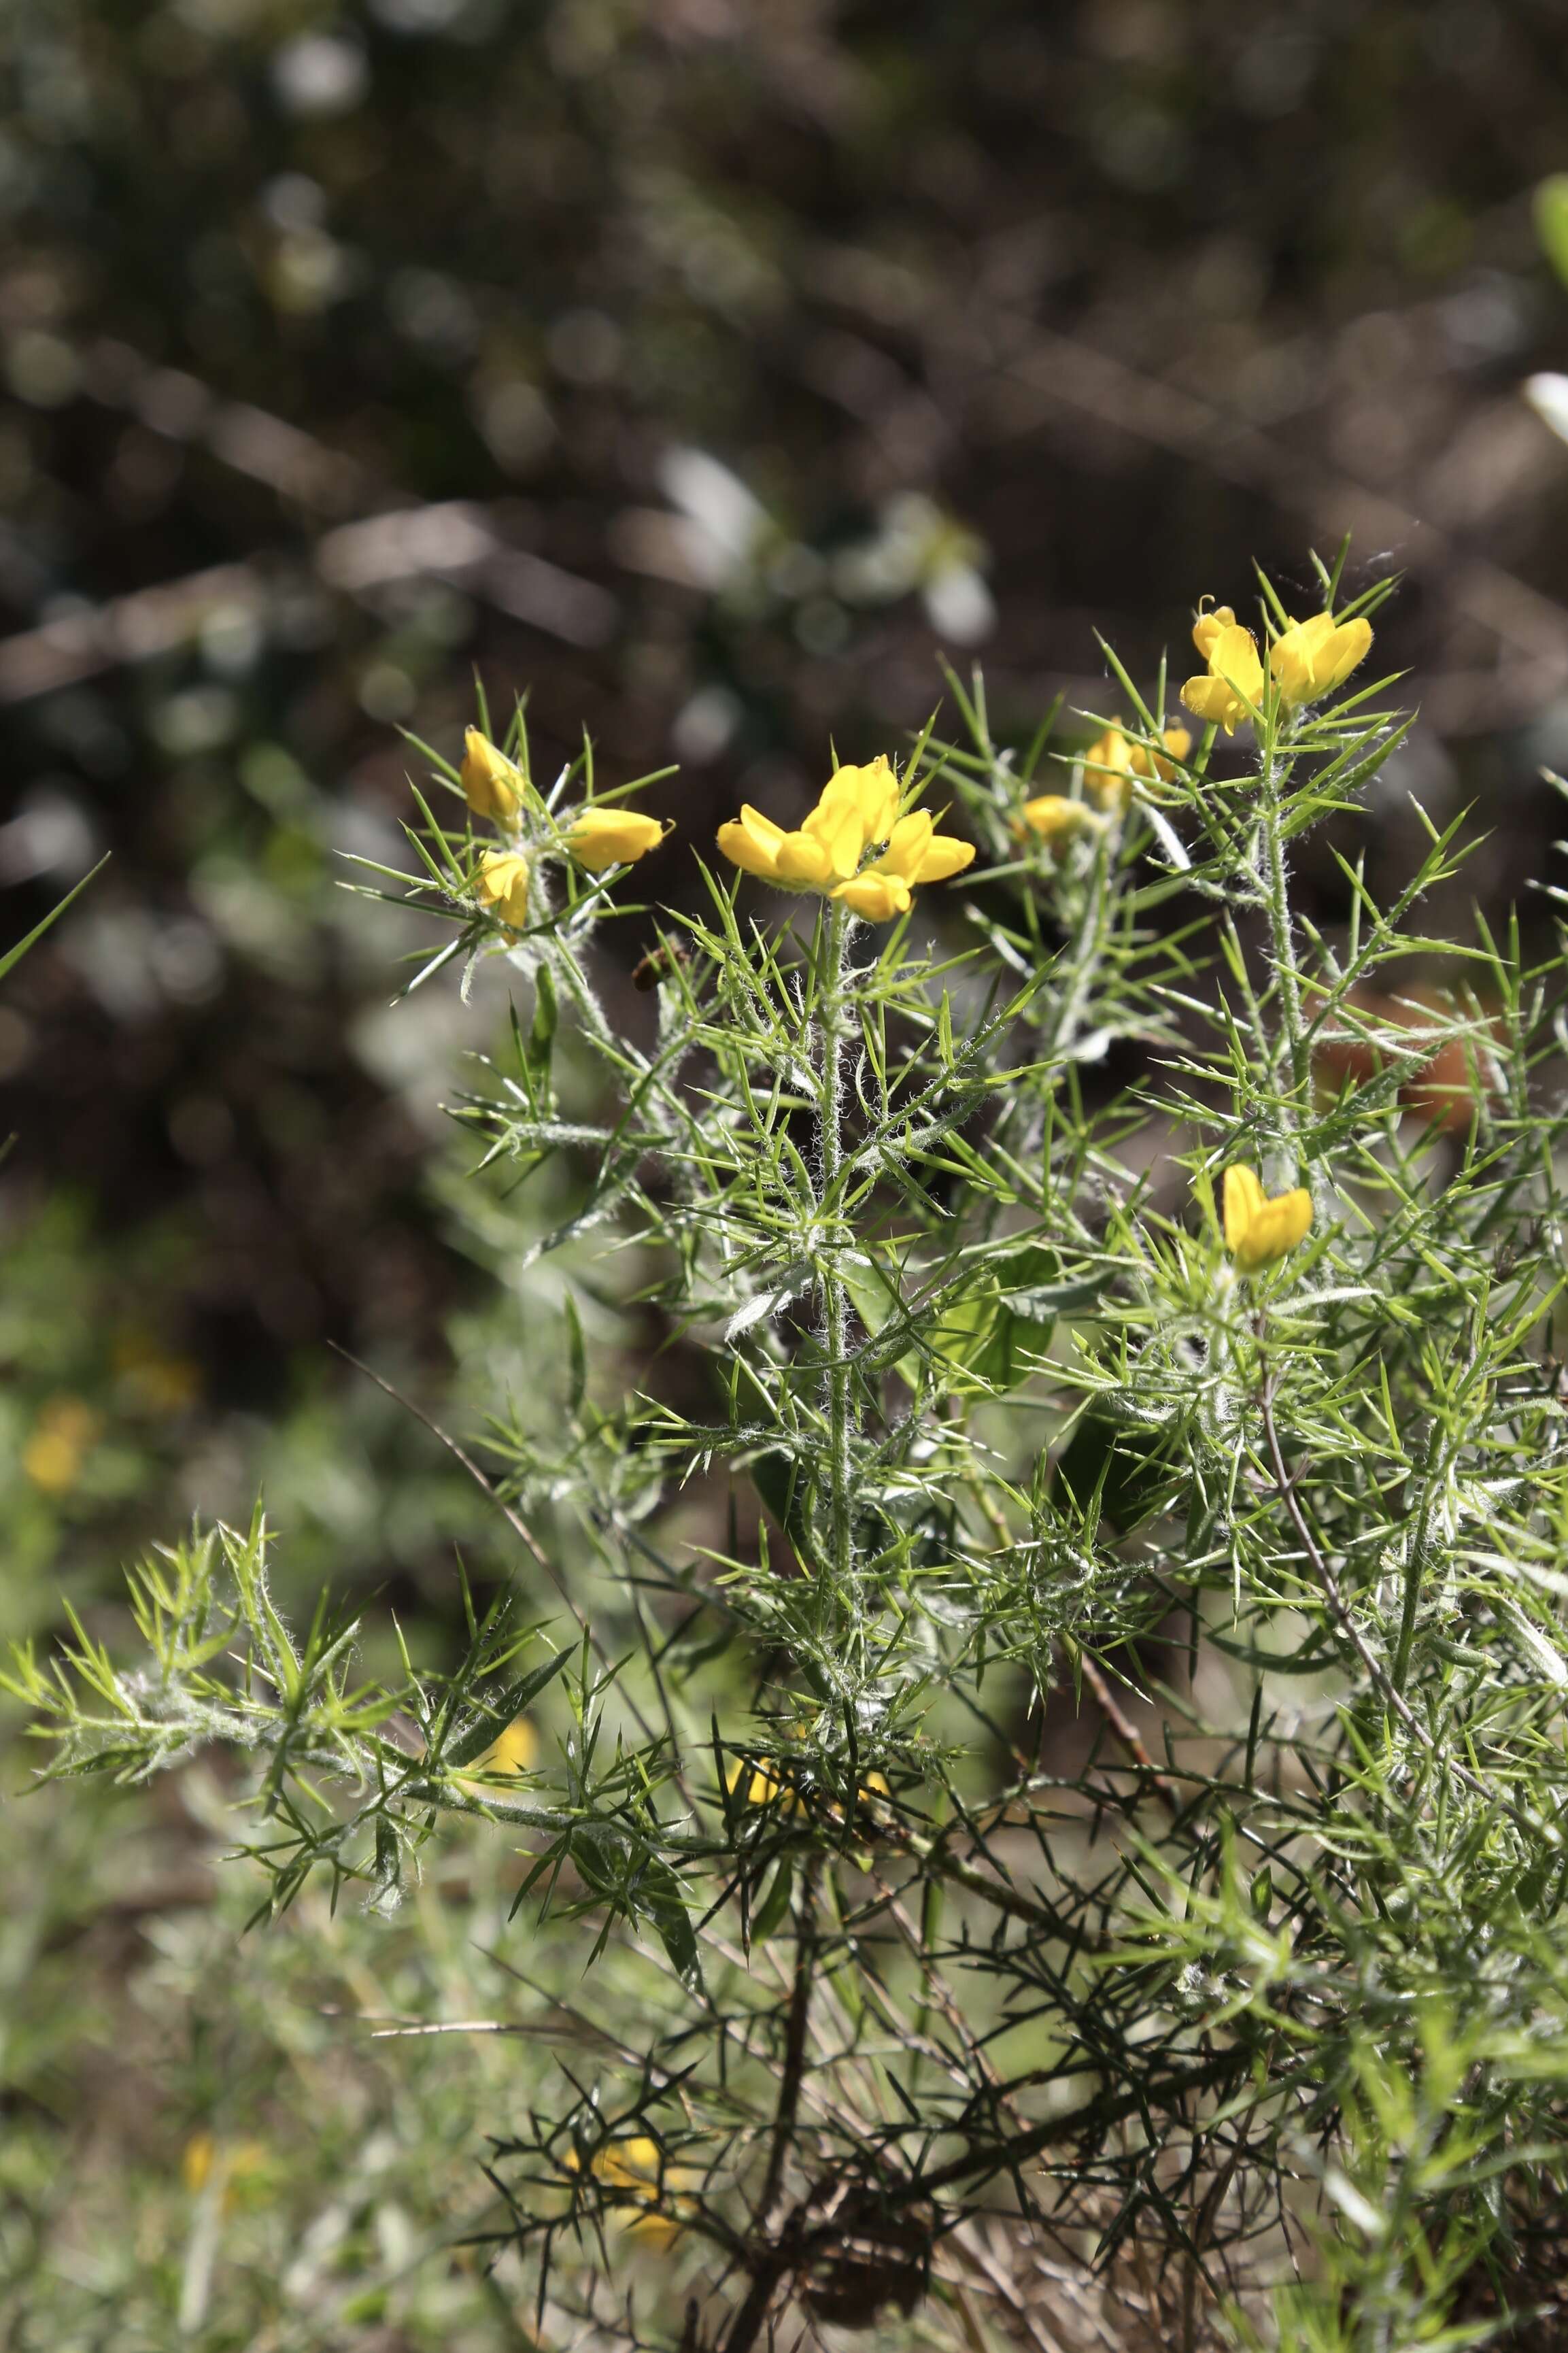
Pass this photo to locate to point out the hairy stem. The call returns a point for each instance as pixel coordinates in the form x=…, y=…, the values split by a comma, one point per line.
x=833, y=938
x=1282, y=937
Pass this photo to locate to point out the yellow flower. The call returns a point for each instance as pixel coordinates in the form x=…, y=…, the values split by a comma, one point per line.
x=1052, y=815
x=501, y=884
x=915, y=853
x=1207, y=626
x=1108, y=769
x=59, y=1442
x=1258, y=1230
x=870, y=793
x=491, y=784
x=825, y=851
x=612, y=836
x=1311, y=658
x=1234, y=684
x=204, y=2155
x=511, y=1753
x=857, y=809
x=1178, y=743
x=633, y=2166
x=759, y=1786
x=1111, y=763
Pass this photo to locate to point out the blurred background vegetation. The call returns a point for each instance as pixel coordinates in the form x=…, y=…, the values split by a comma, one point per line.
x=705, y=369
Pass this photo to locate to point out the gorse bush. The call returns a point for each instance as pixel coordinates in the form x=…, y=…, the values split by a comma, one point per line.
x=1038, y=1655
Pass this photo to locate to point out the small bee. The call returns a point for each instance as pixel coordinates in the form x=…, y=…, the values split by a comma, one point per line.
x=659, y=963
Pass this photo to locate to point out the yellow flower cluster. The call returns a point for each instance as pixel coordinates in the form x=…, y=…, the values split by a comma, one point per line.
x=1258, y=1230
x=857, y=810
x=1307, y=658
x=496, y=788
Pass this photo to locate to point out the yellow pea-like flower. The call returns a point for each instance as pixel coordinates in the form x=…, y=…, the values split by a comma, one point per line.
x=1311, y=658
x=869, y=793
x=814, y=859
x=1232, y=687
x=1107, y=770
x=612, y=836
x=759, y=1785
x=915, y=853
x=633, y=2166
x=1178, y=743
x=1111, y=763
x=509, y=1754
x=501, y=884
x=875, y=898
x=1053, y=816
x=1258, y=1230
x=856, y=810
x=1207, y=626
x=492, y=785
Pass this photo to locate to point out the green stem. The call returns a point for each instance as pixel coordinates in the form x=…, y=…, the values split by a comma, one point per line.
x=1282, y=941
x=833, y=938
x=1417, y=1561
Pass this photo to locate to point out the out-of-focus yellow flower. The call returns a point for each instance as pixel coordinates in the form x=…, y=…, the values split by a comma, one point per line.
x=915, y=853
x=1258, y=1231
x=1178, y=743
x=149, y=1379
x=1108, y=769
x=203, y=2155
x=1111, y=763
x=1053, y=815
x=492, y=785
x=501, y=884
x=511, y=1753
x=59, y=1443
x=1311, y=658
x=656, y=2192
x=612, y=836
x=759, y=1785
x=1233, y=686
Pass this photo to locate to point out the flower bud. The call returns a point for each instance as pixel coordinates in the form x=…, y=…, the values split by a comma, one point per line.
x=491, y=784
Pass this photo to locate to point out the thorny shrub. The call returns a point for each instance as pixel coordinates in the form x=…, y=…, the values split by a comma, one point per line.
x=1051, y=1666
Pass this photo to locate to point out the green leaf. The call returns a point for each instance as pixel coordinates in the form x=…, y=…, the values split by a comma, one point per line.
x=1032, y=1281
x=1127, y=1467
x=578, y=1381
x=658, y=1896
x=783, y=1489
x=985, y=1344
x=496, y=1716
x=540, y=1044
x=773, y=1909
x=13, y=956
